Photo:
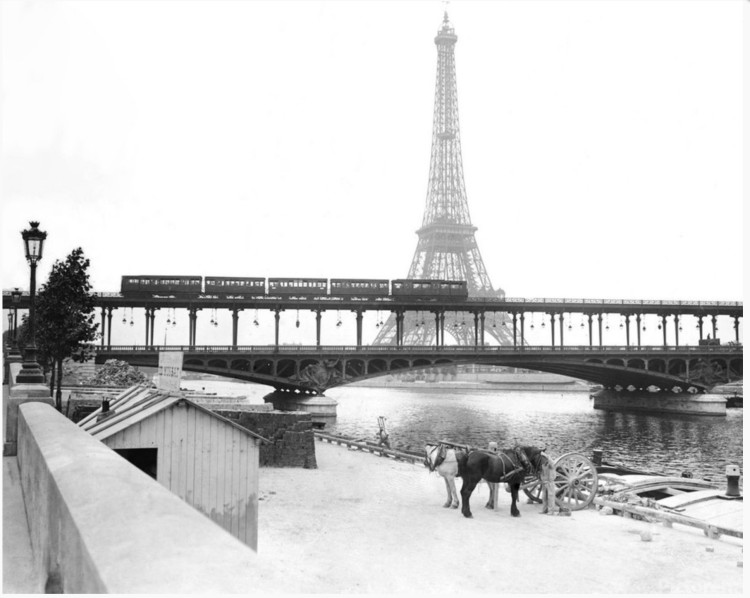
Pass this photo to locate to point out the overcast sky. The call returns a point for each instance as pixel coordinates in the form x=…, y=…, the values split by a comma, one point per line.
x=601, y=141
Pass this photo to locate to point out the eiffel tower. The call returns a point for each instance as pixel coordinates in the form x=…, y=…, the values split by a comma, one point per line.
x=447, y=248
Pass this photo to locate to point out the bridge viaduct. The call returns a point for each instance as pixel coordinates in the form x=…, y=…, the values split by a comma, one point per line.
x=313, y=369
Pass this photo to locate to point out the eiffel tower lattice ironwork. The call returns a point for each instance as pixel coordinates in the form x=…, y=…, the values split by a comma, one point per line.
x=447, y=248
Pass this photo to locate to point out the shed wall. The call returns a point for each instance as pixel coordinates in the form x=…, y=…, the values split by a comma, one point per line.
x=210, y=464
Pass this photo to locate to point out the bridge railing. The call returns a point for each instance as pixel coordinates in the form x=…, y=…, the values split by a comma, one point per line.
x=516, y=300
x=408, y=349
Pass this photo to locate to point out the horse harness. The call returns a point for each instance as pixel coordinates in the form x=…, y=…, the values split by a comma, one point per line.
x=517, y=460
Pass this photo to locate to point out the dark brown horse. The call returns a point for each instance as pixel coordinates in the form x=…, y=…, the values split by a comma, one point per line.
x=509, y=466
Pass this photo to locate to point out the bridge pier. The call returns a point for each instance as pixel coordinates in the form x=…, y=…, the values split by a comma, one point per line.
x=661, y=402
x=321, y=408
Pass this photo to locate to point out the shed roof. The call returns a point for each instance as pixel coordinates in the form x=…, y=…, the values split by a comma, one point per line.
x=138, y=403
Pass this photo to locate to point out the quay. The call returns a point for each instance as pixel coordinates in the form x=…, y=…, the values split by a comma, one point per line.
x=367, y=523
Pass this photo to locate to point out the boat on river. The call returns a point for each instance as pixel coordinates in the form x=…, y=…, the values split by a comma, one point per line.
x=683, y=500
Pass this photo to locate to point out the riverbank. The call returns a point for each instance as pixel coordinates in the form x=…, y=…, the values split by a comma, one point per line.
x=361, y=523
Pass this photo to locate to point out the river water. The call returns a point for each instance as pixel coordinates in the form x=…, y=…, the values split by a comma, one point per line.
x=560, y=421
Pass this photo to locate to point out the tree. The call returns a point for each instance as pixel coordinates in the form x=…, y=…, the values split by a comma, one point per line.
x=65, y=315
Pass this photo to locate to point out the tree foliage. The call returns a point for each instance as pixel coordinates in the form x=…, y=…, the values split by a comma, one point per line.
x=64, y=307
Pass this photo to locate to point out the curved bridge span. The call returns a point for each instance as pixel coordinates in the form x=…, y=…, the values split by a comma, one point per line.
x=314, y=369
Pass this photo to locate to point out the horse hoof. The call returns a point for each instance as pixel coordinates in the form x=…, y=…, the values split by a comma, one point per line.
x=454, y=506
x=469, y=516
x=516, y=514
x=446, y=505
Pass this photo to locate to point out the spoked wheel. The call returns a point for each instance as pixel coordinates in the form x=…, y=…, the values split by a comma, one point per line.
x=532, y=487
x=576, y=481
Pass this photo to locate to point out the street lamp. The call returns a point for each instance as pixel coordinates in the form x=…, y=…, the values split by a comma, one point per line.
x=33, y=240
x=16, y=295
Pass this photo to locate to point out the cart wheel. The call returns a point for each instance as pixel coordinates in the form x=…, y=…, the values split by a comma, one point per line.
x=576, y=481
x=532, y=487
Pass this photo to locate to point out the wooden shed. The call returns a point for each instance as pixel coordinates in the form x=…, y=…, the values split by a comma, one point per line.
x=207, y=460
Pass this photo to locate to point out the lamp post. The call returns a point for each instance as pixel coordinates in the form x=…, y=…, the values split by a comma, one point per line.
x=33, y=240
x=14, y=352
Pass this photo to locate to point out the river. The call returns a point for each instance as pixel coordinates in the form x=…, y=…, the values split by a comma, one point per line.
x=559, y=421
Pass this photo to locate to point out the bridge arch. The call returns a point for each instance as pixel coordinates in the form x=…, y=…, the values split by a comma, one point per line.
x=242, y=365
x=639, y=364
x=286, y=368
x=355, y=368
x=263, y=366
x=616, y=361
x=218, y=363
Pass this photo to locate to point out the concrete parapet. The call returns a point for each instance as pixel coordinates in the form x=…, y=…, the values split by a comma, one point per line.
x=99, y=525
x=19, y=394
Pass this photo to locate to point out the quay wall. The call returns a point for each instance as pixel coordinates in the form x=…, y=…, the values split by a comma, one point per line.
x=99, y=525
x=291, y=435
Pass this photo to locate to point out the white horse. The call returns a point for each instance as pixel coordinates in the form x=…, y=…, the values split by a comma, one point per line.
x=442, y=459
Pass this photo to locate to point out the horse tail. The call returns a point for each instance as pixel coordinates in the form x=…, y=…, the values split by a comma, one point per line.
x=461, y=459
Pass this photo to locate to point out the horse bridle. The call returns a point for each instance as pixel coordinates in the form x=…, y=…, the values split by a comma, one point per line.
x=439, y=459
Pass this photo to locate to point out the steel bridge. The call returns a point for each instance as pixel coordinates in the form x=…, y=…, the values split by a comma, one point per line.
x=314, y=369
x=516, y=313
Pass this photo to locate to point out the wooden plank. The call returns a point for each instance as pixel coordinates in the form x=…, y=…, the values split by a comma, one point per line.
x=190, y=454
x=236, y=497
x=655, y=514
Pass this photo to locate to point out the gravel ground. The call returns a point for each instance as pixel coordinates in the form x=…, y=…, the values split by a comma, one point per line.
x=361, y=523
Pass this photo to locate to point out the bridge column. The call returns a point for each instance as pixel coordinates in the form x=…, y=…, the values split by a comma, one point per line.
x=235, y=325
x=638, y=330
x=193, y=316
x=676, y=330
x=600, y=329
x=736, y=329
x=591, y=330
x=317, y=326
x=441, y=328
x=481, y=321
x=627, y=330
x=149, y=324
x=277, y=318
x=109, y=326
x=152, y=326
x=437, y=328
x=523, y=338
x=104, y=326
x=713, y=325
x=552, y=327
x=399, y=328
x=476, y=328
x=664, y=328
x=700, y=327
x=359, y=327
x=561, y=329
x=515, y=331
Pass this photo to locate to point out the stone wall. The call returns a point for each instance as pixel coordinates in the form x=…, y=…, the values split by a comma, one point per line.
x=99, y=525
x=290, y=432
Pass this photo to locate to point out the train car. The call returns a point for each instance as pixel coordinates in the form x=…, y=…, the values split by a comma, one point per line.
x=429, y=289
x=359, y=287
x=225, y=285
x=167, y=285
x=298, y=287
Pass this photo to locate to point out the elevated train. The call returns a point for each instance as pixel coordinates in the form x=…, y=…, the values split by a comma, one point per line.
x=192, y=287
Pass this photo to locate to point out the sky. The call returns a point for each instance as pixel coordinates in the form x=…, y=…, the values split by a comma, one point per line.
x=602, y=141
